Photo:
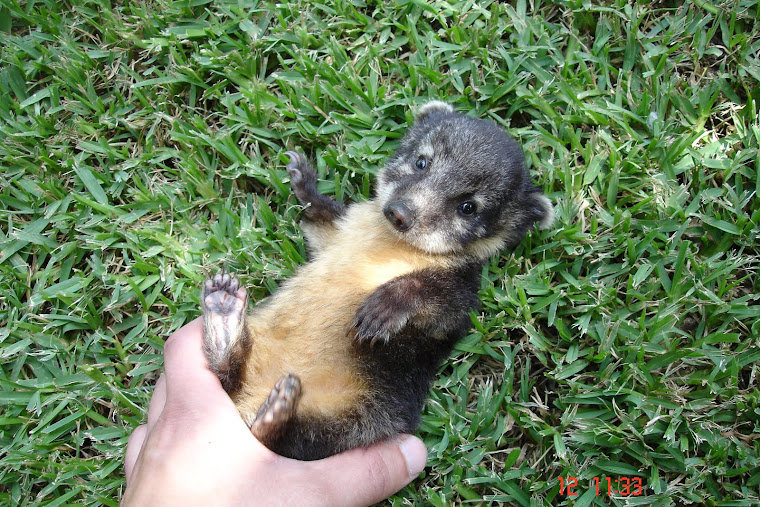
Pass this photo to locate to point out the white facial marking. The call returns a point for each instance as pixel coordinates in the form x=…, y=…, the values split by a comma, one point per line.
x=425, y=150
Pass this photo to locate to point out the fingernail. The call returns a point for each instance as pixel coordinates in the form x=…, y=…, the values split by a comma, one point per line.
x=415, y=454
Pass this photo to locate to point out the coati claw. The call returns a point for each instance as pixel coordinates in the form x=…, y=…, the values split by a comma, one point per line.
x=371, y=337
x=294, y=167
x=277, y=409
x=376, y=330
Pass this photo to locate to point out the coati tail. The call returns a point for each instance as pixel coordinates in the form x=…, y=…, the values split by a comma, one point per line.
x=277, y=410
x=225, y=342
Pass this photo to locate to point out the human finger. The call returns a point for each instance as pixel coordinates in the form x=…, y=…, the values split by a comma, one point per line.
x=134, y=446
x=137, y=438
x=157, y=402
x=184, y=362
x=367, y=476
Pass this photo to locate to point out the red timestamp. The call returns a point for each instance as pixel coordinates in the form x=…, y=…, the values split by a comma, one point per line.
x=621, y=486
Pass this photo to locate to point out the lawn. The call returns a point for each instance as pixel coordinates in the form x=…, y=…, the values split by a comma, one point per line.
x=142, y=147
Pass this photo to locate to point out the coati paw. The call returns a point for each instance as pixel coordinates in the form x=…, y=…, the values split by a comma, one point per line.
x=303, y=177
x=297, y=161
x=376, y=321
x=278, y=408
x=223, y=302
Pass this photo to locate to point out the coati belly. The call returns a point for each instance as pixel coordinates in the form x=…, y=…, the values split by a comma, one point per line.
x=307, y=326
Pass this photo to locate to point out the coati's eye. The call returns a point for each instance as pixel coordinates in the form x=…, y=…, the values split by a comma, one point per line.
x=421, y=163
x=467, y=208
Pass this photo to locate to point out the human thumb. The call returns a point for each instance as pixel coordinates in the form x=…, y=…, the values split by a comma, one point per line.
x=368, y=475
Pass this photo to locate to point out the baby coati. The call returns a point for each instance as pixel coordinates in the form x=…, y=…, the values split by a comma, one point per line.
x=343, y=354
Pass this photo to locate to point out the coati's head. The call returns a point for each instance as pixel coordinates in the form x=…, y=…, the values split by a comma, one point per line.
x=459, y=185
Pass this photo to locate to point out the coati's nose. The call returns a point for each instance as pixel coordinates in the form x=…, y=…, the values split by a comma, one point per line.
x=400, y=215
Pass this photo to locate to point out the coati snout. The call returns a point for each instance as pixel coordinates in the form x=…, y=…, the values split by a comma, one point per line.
x=343, y=353
x=400, y=215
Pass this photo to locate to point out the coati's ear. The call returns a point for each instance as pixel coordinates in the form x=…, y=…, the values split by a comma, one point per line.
x=545, y=207
x=545, y=204
x=539, y=208
x=434, y=106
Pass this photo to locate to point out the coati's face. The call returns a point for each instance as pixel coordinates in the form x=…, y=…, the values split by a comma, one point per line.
x=459, y=185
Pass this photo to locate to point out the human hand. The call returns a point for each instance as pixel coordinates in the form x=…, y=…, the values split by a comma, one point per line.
x=196, y=450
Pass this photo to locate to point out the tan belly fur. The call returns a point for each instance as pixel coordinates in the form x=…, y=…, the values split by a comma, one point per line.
x=306, y=326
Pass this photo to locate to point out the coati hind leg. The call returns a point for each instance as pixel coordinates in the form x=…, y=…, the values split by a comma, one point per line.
x=277, y=410
x=225, y=341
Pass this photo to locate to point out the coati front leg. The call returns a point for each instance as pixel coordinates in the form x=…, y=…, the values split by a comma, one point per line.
x=227, y=345
x=303, y=178
x=320, y=211
x=437, y=301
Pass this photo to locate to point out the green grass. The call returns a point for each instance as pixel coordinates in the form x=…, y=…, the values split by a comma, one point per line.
x=141, y=147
